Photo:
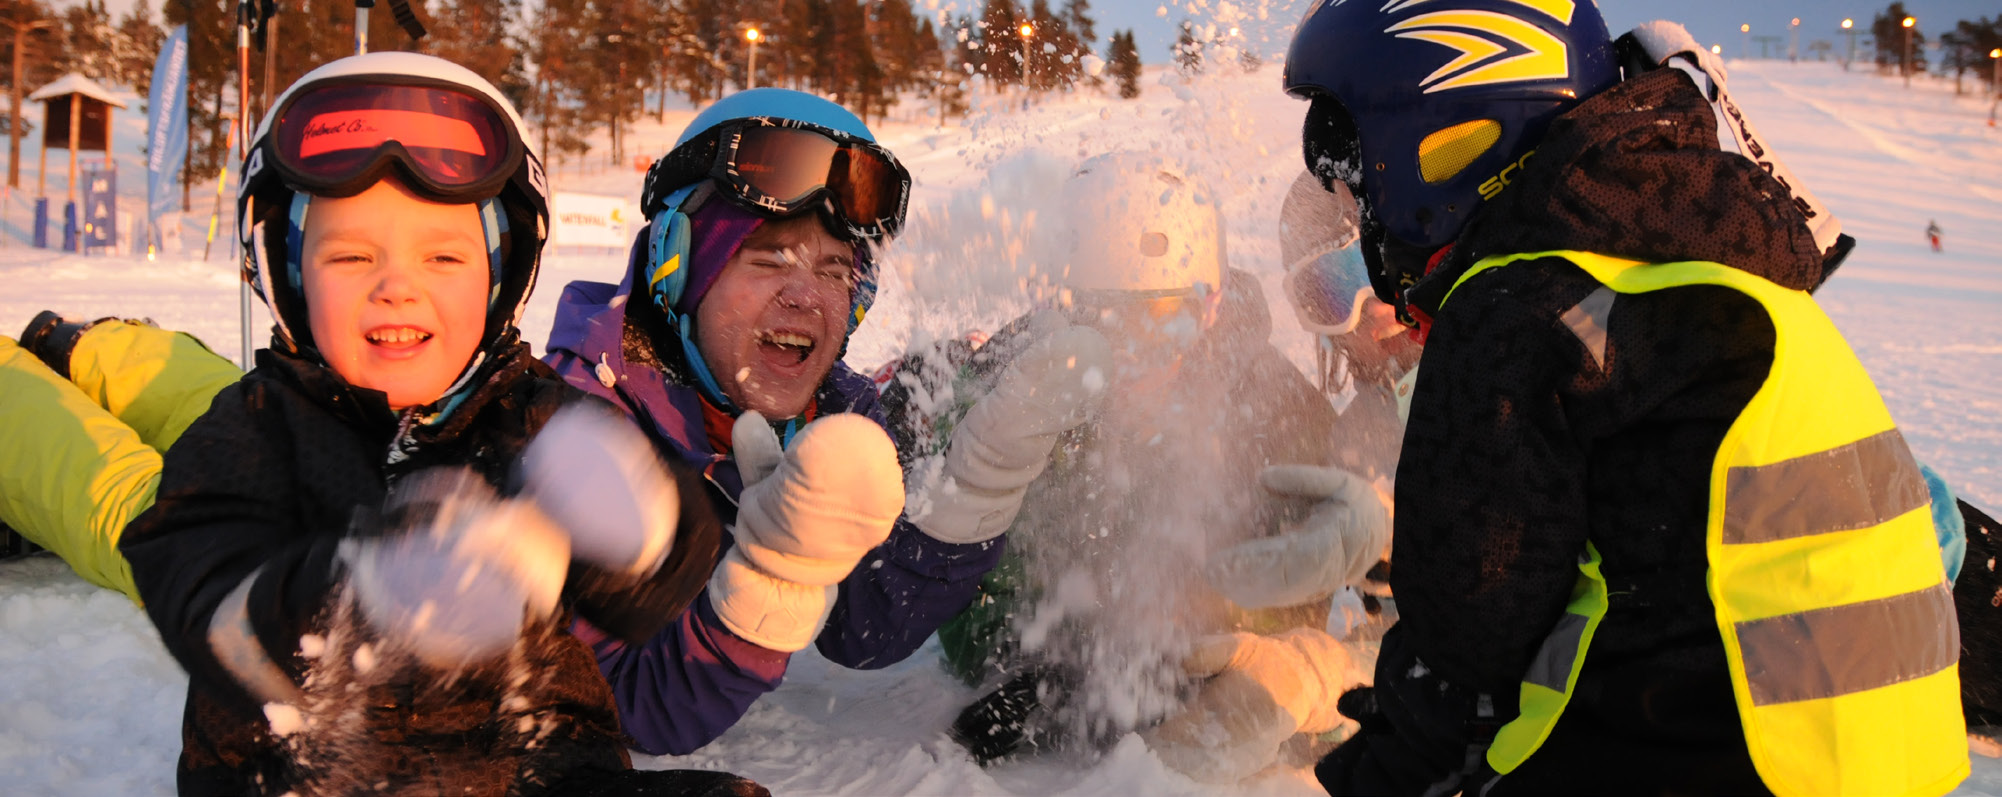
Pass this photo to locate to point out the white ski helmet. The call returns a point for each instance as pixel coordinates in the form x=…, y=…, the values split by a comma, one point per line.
x=1133, y=222
x=443, y=131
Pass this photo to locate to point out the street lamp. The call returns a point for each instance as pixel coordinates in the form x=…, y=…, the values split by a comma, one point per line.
x=1745, y=41
x=1995, y=83
x=1028, y=32
x=1793, y=43
x=752, y=35
x=1908, y=23
x=1849, y=27
x=1717, y=49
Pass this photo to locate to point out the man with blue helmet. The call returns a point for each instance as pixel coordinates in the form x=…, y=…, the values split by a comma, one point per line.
x=724, y=340
x=1655, y=531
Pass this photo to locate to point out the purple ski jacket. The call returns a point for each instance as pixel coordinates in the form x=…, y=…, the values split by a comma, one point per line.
x=691, y=682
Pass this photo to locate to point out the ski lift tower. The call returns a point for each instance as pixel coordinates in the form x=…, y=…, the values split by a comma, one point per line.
x=76, y=115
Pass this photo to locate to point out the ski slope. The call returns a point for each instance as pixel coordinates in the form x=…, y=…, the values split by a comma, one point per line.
x=93, y=702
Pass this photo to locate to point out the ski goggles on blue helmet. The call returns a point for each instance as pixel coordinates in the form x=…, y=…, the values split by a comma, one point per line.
x=1327, y=290
x=783, y=167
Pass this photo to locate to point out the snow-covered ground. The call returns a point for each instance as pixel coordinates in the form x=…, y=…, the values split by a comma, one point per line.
x=92, y=702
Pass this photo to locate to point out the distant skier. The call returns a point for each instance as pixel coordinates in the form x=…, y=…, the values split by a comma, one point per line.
x=1933, y=233
x=1614, y=527
x=1109, y=613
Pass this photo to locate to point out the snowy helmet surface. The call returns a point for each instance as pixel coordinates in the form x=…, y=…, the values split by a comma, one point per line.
x=1136, y=222
x=443, y=132
x=1425, y=109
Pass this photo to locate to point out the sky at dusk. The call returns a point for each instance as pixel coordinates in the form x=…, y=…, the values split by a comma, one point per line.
x=1267, y=24
x=1711, y=21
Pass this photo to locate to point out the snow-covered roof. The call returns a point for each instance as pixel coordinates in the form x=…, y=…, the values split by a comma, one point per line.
x=76, y=83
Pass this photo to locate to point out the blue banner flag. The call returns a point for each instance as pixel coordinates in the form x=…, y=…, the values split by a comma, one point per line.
x=100, y=209
x=166, y=130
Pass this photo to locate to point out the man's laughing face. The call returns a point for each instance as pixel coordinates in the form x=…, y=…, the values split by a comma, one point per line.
x=776, y=319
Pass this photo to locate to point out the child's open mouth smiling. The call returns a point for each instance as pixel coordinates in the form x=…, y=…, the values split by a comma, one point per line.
x=397, y=340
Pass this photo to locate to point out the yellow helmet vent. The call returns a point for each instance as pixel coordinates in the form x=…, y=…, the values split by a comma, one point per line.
x=1446, y=152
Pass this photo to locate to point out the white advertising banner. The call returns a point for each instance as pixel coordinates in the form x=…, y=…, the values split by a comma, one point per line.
x=591, y=220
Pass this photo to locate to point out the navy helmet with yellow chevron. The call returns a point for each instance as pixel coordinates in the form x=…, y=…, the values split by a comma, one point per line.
x=1425, y=108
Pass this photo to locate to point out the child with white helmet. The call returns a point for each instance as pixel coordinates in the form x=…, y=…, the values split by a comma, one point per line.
x=1102, y=619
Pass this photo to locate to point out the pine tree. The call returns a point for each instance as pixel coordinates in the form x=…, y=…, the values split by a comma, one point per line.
x=1188, y=50
x=142, y=41
x=1889, y=31
x=900, y=42
x=37, y=65
x=1083, y=37
x=479, y=35
x=1000, y=44
x=1046, y=45
x=1124, y=58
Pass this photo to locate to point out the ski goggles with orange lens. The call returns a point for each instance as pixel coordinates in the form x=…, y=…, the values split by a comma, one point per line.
x=1327, y=290
x=445, y=145
x=783, y=167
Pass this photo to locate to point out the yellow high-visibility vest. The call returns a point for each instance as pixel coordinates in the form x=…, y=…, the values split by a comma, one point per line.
x=1837, y=621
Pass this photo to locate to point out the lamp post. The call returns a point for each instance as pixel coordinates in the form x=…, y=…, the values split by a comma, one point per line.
x=1028, y=31
x=1908, y=23
x=1995, y=83
x=752, y=35
x=1745, y=44
x=1849, y=27
x=1793, y=40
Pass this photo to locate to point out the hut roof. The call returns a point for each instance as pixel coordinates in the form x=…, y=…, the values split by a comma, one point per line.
x=76, y=83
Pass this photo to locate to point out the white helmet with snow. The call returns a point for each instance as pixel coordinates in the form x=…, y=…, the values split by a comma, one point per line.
x=1135, y=222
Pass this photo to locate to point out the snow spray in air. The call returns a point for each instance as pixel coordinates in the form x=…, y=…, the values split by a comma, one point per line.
x=1106, y=556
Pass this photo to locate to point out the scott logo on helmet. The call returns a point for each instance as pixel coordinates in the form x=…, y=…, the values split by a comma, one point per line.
x=1494, y=48
x=1495, y=184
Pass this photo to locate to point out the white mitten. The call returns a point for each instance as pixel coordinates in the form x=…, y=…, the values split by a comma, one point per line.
x=1669, y=44
x=1260, y=691
x=1344, y=535
x=1662, y=40
x=1004, y=441
x=595, y=474
x=833, y=496
x=467, y=569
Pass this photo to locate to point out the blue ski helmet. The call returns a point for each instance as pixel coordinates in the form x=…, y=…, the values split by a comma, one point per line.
x=1427, y=108
x=776, y=153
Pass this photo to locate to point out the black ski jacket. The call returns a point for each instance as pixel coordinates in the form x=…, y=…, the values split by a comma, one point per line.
x=285, y=464
x=1524, y=443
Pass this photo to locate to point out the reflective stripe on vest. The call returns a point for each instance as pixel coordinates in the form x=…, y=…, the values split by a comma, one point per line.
x=1546, y=688
x=1831, y=600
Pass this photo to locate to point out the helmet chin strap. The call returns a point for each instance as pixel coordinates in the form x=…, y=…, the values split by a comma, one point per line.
x=667, y=266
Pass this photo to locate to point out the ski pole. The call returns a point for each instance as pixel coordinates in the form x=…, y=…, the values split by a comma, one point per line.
x=243, y=12
x=221, y=179
x=361, y=25
x=269, y=17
